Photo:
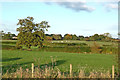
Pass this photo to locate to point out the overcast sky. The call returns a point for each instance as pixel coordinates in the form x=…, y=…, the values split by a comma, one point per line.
x=81, y=18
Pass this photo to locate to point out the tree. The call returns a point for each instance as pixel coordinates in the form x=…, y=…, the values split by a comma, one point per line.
x=87, y=38
x=107, y=36
x=96, y=37
x=102, y=37
x=68, y=37
x=30, y=33
x=2, y=33
x=57, y=36
x=80, y=37
x=74, y=37
x=48, y=38
x=7, y=36
x=13, y=35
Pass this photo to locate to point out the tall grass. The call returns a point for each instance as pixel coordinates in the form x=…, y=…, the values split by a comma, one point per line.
x=50, y=72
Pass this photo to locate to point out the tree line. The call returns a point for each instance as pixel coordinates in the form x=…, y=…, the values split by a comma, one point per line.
x=95, y=37
x=7, y=36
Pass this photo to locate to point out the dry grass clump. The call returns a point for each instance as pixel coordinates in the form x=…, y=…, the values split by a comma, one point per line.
x=49, y=72
x=100, y=75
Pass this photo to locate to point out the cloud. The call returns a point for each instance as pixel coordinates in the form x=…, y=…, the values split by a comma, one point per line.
x=80, y=5
x=76, y=6
x=111, y=6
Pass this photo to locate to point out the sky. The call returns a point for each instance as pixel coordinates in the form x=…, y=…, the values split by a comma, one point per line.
x=81, y=18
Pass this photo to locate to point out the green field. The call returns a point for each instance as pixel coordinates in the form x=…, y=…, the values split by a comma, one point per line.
x=101, y=43
x=14, y=59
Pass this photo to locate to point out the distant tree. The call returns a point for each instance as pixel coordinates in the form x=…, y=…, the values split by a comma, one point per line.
x=74, y=37
x=67, y=37
x=102, y=37
x=48, y=38
x=13, y=35
x=86, y=38
x=96, y=37
x=30, y=33
x=2, y=33
x=107, y=36
x=7, y=36
x=80, y=37
x=57, y=37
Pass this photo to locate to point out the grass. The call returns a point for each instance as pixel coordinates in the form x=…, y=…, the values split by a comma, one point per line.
x=8, y=40
x=13, y=59
x=48, y=72
x=18, y=58
x=101, y=43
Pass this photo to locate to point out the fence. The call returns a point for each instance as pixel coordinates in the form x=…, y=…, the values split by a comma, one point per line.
x=71, y=73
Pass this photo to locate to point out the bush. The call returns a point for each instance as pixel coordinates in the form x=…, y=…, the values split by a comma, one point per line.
x=8, y=47
x=18, y=47
x=8, y=42
x=69, y=44
x=110, y=50
x=67, y=49
x=95, y=48
x=107, y=45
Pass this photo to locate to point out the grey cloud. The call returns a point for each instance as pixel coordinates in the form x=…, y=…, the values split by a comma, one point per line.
x=77, y=6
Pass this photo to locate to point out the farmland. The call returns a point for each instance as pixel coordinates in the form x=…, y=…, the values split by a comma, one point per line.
x=13, y=59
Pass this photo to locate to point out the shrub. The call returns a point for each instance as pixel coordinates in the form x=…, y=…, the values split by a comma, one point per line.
x=8, y=47
x=8, y=42
x=95, y=48
x=69, y=44
x=67, y=49
x=110, y=50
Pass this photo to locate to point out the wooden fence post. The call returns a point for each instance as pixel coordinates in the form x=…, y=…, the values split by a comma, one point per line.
x=21, y=71
x=112, y=71
x=32, y=69
x=71, y=70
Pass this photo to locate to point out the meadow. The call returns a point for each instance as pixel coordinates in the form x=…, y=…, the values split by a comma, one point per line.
x=13, y=59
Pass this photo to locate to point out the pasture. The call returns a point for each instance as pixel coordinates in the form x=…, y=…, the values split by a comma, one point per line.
x=13, y=59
